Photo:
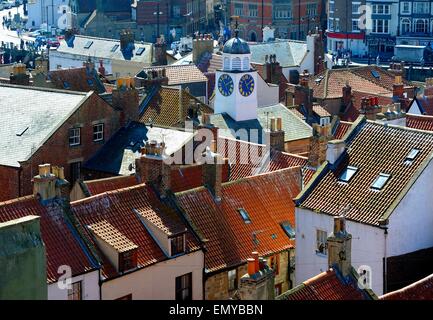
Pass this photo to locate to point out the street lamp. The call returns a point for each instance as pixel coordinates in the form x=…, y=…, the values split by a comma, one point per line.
x=157, y=14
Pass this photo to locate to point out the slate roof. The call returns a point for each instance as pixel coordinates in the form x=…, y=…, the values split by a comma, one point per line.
x=421, y=122
x=32, y=115
x=103, y=49
x=420, y=290
x=178, y=74
x=425, y=104
x=163, y=107
x=124, y=146
x=62, y=244
x=329, y=285
x=294, y=127
x=77, y=79
x=374, y=148
x=109, y=5
x=267, y=199
x=289, y=52
x=122, y=210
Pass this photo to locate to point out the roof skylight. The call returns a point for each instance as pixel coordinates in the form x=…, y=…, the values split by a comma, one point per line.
x=88, y=44
x=375, y=74
x=288, y=230
x=348, y=174
x=412, y=155
x=140, y=51
x=116, y=46
x=244, y=215
x=380, y=181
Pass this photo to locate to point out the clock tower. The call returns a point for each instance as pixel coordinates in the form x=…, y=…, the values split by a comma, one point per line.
x=236, y=82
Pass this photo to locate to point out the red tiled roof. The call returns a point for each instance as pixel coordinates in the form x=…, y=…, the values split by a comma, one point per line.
x=61, y=243
x=119, y=208
x=374, y=148
x=102, y=185
x=325, y=286
x=76, y=79
x=342, y=129
x=320, y=111
x=420, y=122
x=267, y=199
x=242, y=165
x=331, y=85
x=420, y=290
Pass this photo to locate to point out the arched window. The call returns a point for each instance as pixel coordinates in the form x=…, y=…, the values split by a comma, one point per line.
x=226, y=63
x=246, y=64
x=405, y=26
x=236, y=63
x=421, y=26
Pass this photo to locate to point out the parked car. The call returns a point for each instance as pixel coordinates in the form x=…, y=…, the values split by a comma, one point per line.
x=53, y=42
x=7, y=4
x=41, y=40
x=36, y=33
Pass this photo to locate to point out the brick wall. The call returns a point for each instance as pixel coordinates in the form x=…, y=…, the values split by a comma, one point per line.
x=56, y=149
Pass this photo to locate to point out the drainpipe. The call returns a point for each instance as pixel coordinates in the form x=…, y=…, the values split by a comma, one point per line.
x=385, y=254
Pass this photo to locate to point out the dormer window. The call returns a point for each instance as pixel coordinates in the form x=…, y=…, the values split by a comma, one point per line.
x=127, y=260
x=177, y=245
x=347, y=174
x=380, y=181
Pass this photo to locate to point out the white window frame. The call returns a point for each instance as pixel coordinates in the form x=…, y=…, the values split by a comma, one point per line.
x=99, y=134
x=358, y=5
x=73, y=136
x=321, y=239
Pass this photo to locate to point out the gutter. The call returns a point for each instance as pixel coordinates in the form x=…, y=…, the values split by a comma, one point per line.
x=385, y=264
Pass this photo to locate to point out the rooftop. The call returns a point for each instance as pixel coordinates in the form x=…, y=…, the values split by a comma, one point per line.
x=329, y=285
x=294, y=127
x=63, y=246
x=386, y=162
x=289, y=52
x=122, y=209
x=32, y=115
x=101, y=48
x=178, y=74
x=421, y=122
x=420, y=290
x=266, y=199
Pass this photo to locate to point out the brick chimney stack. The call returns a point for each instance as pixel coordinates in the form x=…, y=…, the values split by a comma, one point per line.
x=272, y=69
x=276, y=134
x=150, y=78
x=160, y=49
x=370, y=107
x=101, y=68
x=125, y=97
x=201, y=45
x=347, y=94
x=304, y=94
x=339, y=247
x=259, y=282
x=19, y=75
x=319, y=144
x=213, y=173
x=50, y=183
x=398, y=88
x=148, y=167
x=428, y=91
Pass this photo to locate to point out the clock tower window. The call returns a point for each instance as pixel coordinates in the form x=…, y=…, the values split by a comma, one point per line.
x=236, y=63
x=226, y=63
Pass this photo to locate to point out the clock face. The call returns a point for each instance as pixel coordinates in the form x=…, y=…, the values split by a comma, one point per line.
x=225, y=85
x=246, y=85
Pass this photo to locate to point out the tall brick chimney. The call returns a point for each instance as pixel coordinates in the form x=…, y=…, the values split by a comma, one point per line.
x=150, y=78
x=201, y=45
x=125, y=97
x=50, y=183
x=370, y=107
x=213, y=173
x=304, y=94
x=127, y=44
x=259, y=282
x=347, y=94
x=160, y=49
x=398, y=88
x=319, y=144
x=340, y=247
x=276, y=134
x=19, y=75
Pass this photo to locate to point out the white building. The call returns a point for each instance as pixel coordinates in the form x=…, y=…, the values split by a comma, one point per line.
x=54, y=13
x=380, y=179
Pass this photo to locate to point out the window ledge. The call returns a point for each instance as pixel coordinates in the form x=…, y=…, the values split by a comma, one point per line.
x=322, y=255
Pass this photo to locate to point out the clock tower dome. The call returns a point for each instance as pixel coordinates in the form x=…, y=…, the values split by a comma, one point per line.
x=236, y=82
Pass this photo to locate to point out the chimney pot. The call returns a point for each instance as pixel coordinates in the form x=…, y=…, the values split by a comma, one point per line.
x=256, y=261
x=279, y=124
x=251, y=266
x=273, y=124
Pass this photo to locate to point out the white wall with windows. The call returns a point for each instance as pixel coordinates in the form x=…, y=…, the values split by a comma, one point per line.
x=84, y=287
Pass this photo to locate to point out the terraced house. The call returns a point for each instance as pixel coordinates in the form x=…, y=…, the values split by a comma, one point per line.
x=378, y=177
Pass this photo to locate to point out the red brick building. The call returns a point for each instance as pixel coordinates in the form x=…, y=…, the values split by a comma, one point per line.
x=51, y=126
x=290, y=18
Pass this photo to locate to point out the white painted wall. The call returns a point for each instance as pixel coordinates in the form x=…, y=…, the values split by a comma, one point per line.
x=89, y=283
x=268, y=93
x=414, y=109
x=410, y=229
x=411, y=224
x=66, y=61
x=367, y=247
x=37, y=12
x=158, y=282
